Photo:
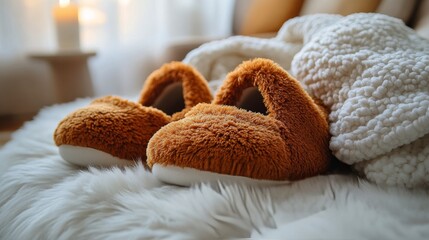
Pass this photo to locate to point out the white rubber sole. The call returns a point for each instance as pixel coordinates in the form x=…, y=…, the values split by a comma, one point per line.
x=189, y=176
x=84, y=156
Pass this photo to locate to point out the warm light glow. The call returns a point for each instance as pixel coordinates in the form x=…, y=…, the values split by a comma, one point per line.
x=91, y=16
x=124, y=2
x=64, y=3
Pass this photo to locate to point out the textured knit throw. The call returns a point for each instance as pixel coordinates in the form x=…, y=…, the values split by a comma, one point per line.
x=371, y=70
x=373, y=73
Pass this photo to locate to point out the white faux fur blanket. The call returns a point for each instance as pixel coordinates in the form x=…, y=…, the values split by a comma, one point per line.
x=44, y=197
x=370, y=70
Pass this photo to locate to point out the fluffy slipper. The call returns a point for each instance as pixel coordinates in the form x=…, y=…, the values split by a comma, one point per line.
x=262, y=126
x=112, y=131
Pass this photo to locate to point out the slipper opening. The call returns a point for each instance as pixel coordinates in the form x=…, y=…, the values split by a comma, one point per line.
x=171, y=99
x=252, y=100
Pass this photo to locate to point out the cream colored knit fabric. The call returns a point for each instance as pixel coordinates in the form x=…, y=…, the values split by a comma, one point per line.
x=373, y=73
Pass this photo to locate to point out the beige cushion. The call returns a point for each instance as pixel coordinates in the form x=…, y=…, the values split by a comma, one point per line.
x=402, y=9
x=343, y=7
x=263, y=16
x=422, y=19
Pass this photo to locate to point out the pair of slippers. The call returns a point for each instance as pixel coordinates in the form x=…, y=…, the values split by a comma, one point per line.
x=261, y=126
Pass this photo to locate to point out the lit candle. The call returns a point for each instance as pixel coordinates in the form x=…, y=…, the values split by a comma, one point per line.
x=66, y=17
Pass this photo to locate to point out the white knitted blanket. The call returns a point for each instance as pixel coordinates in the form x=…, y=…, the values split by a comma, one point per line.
x=370, y=70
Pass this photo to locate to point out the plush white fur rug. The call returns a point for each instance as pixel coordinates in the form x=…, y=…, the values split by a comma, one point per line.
x=44, y=197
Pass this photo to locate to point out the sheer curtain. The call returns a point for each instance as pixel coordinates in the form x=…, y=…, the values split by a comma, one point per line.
x=128, y=35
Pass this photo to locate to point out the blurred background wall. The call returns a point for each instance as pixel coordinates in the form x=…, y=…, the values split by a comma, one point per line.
x=133, y=37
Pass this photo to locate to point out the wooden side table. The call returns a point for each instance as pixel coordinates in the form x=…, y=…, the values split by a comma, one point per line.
x=70, y=72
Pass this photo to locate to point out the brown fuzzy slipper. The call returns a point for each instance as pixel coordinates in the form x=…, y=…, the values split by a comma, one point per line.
x=112, y=131
x=262, y=126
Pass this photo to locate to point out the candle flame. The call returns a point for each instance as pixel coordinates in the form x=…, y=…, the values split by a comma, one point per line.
x=64, y=3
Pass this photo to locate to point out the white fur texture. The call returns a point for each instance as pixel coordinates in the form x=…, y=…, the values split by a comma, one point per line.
x=371, y=71
x=44, y=197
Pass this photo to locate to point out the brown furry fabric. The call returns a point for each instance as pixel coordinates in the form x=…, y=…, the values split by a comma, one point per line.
x=113, y=125
x=195, y=87
x=123, y=128
x=290, y=143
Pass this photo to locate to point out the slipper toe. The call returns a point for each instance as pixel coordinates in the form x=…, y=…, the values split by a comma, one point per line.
x=223, y=140
x=111, y=125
